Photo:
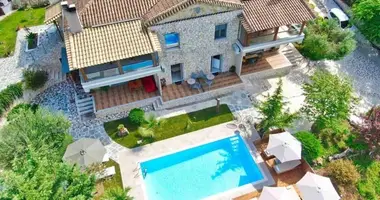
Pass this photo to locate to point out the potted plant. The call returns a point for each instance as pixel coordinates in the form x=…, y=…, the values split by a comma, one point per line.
x=232, y=69
x=122, y=130
x=32, y=39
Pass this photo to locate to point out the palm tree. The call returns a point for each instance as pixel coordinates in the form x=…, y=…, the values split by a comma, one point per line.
x=117, y=193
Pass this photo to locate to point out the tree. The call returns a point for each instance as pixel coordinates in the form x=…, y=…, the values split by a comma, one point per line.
x=311, y=146
x=273, y=111
x=370, y=131
x=117, y=193
x=33, y=129
x=366, y=13
x=40, y=174
x=328, y=99
x=343, y=172
x=325, y=39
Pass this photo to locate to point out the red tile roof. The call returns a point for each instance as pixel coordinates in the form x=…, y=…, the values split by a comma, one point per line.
x=265, y=14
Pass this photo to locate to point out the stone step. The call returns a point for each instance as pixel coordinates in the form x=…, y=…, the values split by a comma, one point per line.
x=90, y=110
x=84, y=103
x=84, y=100
x=82, y=108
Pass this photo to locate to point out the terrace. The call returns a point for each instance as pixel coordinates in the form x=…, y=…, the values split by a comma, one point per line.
x=174, y=91
x=281, y=180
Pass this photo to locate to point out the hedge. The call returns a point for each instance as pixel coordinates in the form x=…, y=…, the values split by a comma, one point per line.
x=9, y=95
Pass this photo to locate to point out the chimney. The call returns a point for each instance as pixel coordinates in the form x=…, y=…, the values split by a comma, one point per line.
x=71, y=15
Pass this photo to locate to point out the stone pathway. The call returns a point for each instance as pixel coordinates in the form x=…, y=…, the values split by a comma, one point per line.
x=46, y=56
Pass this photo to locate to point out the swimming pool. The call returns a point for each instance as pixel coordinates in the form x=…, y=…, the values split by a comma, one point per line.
x=200, y=171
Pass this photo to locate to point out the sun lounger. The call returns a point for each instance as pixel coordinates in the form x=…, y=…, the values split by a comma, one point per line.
x=286, y=166
x=106, y=158
x=110, y=171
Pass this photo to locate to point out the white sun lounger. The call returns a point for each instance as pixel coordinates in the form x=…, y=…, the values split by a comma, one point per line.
x=110, y=171
x=106, y=158
x=286, y=166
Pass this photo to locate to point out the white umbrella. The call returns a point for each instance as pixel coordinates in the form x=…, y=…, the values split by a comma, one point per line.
x=316, y=187
x=284, y=146
x=85, y=152
x=279, y=193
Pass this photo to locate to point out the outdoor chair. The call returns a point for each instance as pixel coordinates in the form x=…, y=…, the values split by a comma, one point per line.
x=286, y=166
x=106, y=158
x=202, y=75
x=194, y=76
x=197, y=86
x=208, y=83
x=108, y=172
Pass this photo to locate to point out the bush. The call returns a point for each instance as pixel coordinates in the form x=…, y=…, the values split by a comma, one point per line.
x=343, y=172
x=369, y=188
x=335, y=135
x=117, y=193
x=311, y=146
x=8, y=95
x=35, y=79
x=136, y=116
x=20, y=108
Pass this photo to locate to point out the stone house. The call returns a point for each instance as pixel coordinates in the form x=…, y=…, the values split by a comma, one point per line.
x=132, y=53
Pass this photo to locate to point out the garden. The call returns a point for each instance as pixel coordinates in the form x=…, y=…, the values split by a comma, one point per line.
x=345, y=151
x=14, y=22
x=141, y=128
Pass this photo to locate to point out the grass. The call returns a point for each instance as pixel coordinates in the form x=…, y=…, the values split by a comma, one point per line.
x=113, y=182
x=171, y=127
x=9, y=25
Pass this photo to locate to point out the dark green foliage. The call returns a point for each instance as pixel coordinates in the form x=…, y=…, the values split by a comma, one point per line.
x=8, y=95
x=35, y=79
x=136, y=116
x=274, y=113
x=40, y=174
x=33, y=130
x=328, y=99
x=311, y=146
x=324, y=39
x=369, y=187
x=20, y=108
x=367, y=14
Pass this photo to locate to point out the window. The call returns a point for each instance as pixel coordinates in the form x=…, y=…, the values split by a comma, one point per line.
x=171, y=40
x=220, y=31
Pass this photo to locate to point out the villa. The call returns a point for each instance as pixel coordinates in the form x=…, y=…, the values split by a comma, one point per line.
x=125, y=54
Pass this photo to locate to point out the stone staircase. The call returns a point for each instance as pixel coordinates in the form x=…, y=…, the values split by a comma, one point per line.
x=158, y=104
x=84, y=101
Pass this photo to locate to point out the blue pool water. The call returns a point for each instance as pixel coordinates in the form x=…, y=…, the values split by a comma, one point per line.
x=201, y=171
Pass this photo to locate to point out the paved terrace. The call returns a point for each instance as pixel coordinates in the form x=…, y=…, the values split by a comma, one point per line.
x=130, y=158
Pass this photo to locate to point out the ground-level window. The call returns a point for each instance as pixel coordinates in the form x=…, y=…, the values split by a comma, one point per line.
x=176, y=72
x=216, y=64
x=220, y=31
x=171, y=40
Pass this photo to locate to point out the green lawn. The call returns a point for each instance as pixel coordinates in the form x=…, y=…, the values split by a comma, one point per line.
x=8, y=27
x=171, y=127
x=113, y=182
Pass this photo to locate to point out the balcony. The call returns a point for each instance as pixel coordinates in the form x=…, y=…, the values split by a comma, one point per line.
x=116, y=73
x=264, y=40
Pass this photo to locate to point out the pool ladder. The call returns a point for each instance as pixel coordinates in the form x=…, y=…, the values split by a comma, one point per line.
x=144, y=173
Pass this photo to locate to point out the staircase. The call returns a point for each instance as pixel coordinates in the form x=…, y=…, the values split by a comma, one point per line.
x=157, y=104
x=84, y=101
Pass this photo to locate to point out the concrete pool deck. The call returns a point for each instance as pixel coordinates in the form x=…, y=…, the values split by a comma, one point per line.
x=129, y=159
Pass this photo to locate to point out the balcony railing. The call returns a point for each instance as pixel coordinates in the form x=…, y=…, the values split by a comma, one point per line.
x=113, y=76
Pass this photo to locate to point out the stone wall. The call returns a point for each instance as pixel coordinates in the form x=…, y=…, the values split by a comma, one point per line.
x=197, y=43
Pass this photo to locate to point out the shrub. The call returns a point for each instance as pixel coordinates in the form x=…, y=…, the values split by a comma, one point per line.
x=311, y=146
x=335, y=135
x=35, y=79
x=8, y=95
x=343, y=172
x=369, y=188
x=145, y=132
x=117, y=193
x=20, y=108
x=136, y=116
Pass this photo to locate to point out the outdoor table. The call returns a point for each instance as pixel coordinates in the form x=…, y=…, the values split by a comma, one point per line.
x=210, y=77
x=191, y=81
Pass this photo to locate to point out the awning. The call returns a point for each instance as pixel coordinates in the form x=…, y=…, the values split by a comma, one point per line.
x=65, y=63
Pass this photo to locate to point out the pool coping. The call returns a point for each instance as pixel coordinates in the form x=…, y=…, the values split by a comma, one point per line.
x=203, y=136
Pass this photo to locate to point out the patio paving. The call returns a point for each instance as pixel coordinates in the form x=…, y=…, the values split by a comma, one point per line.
x=130, y=158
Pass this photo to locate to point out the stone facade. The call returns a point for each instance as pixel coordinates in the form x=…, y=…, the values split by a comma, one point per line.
x=197, y=43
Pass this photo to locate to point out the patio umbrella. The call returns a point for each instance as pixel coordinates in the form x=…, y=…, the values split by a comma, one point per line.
x=316, y=187
x=284, y=146
x=279, y=193
x=85, y=152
